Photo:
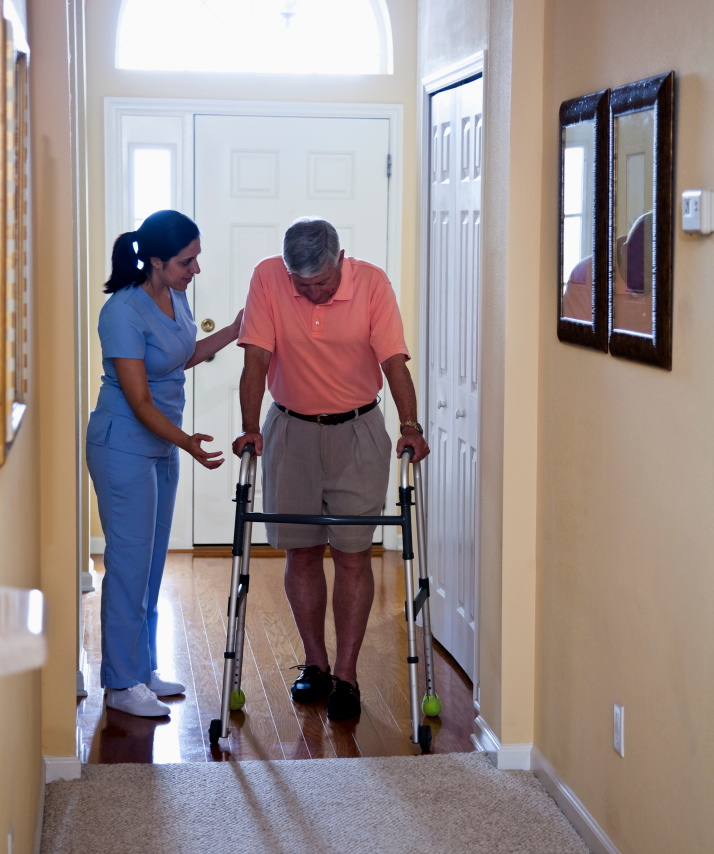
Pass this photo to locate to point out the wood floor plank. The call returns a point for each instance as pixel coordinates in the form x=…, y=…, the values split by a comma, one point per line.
x=256, y=721
x=193, y=622
x=277, y=617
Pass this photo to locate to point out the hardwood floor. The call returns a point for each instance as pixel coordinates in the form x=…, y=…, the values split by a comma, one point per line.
x=192, y=627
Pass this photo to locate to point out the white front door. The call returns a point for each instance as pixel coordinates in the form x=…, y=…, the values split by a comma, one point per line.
x=254, y=175
x=453, y=417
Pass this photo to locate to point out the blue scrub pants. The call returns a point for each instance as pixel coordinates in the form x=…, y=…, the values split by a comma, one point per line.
x=136, y=497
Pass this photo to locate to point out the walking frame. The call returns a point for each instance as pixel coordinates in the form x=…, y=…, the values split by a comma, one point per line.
x=233, y=697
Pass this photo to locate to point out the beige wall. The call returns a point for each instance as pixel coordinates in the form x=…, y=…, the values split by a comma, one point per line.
x=626, y=477
x=20, y=708
x=105, y=80
x=598, y=474
x=37, y=482
x=55, y=300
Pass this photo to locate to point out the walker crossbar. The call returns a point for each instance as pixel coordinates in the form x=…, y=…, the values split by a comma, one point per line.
x=233, y=697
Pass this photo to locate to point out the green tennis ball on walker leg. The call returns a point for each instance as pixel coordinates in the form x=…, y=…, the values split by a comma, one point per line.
x=238, y=700
x=431, y=705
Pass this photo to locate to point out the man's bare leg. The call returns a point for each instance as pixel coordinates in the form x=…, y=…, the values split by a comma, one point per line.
x=351, y=601
x=306, y=589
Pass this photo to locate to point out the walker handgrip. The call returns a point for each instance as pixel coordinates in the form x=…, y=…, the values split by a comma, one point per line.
x=409, y=450
x=249, y=447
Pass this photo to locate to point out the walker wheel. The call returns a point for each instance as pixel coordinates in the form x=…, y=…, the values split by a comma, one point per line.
x=214, y=731
x=425, y=738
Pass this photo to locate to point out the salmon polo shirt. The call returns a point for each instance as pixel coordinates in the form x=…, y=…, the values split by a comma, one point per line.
x=326, y=358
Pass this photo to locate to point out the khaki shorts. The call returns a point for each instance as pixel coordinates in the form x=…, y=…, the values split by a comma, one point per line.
x=338, y=470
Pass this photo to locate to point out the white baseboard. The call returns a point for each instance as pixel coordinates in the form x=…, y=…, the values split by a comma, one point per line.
x=571, y=806
x=97, y=545
x=88, y=578
x=61, y=768
x=505, y=757
x=514, y=757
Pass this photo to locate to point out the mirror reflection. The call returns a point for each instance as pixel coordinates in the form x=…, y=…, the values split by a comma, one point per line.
x=577, y=221
x=634, y=146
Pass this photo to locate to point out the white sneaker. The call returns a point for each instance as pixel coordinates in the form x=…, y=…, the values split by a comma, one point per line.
x=137, y=700
x=162, y=688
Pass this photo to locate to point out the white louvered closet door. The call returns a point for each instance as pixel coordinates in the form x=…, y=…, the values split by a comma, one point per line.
x=453, y=417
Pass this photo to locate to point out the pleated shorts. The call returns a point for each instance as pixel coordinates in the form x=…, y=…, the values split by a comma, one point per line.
x=337, y=470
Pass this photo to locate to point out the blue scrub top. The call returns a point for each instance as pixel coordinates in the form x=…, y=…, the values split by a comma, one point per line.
x=132, y=326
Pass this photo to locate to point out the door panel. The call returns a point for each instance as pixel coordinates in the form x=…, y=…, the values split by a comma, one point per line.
x=254, y=176
x=452, y=396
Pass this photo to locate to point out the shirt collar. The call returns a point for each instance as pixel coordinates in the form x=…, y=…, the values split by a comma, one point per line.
x=346, y=288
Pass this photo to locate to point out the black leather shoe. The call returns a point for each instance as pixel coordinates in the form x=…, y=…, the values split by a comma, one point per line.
x=312, y=684
x=344, y=701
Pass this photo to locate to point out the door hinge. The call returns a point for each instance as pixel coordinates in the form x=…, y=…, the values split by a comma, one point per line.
x=389, y=166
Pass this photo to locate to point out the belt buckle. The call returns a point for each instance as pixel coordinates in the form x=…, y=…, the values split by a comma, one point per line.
x=321, y=416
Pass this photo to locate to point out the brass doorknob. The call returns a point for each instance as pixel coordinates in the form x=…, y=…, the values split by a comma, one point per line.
x=208, y=325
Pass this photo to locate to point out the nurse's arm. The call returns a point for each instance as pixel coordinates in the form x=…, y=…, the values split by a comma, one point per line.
x=207, y=347
x=135, y=385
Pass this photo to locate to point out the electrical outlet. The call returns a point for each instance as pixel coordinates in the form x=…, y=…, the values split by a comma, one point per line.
x=11, y=840
x=620, y=729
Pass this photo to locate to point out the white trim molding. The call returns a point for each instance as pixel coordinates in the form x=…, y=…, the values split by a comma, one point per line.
x=505, y=757
x=467, y=69
x=459, y=72
x=62, y=768
x=571, y=806
x=97, y=545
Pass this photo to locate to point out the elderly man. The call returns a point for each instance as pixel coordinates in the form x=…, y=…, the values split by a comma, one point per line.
x=319, y=326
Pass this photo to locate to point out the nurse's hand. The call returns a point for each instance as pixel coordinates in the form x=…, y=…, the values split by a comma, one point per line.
x=207, y=460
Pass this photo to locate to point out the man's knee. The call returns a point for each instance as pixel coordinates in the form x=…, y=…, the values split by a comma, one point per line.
x=352, y=563
x=305, y=560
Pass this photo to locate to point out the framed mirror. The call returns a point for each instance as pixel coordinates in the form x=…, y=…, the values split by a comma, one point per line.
x=583, y=218
x=641, y=220
x=14, y=254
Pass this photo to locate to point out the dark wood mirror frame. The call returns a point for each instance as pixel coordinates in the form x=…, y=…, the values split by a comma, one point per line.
x=595, y=108
x=654, y=93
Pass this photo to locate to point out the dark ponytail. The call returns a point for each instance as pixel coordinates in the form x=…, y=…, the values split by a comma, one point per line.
x=162, y=235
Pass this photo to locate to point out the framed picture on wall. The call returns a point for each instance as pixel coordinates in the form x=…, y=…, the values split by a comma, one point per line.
x=14, y=224
x=641, y=220
x=582, y=219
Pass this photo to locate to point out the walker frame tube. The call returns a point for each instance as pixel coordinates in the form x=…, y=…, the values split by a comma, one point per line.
x=240, y=577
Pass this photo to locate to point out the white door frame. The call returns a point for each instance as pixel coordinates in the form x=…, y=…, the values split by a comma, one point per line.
x=116, y=108
x=468, y=69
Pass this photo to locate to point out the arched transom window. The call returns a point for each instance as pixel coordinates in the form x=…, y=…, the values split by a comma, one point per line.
x=279, y=36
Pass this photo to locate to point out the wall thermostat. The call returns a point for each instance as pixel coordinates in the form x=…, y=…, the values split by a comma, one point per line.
x=697, y=211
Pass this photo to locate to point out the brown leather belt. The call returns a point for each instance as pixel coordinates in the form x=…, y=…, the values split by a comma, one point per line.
x=339, y=418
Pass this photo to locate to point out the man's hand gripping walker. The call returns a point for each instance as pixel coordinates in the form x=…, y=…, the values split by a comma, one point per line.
x=233, y=697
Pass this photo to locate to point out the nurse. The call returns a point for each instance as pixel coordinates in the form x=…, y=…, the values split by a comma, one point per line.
x=148, y=339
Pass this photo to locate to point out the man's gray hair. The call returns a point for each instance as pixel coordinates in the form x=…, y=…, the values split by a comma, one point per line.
x=310, y=246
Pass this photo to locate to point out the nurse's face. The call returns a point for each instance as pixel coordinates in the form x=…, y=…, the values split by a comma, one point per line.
x=177, y=272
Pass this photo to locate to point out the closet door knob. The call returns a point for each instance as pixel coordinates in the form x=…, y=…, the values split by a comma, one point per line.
x=208, y=325
x=461, y=413
x=441, y=404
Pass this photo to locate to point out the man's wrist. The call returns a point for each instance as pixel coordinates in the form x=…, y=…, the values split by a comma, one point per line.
x=251, y=429
x=411, y=425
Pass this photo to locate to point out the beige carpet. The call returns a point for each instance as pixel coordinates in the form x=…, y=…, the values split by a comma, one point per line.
x=454, y=804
